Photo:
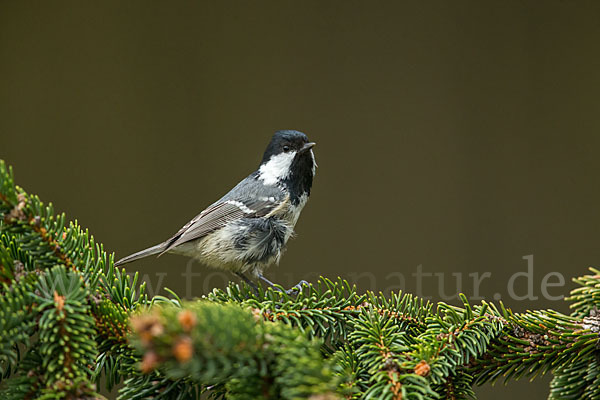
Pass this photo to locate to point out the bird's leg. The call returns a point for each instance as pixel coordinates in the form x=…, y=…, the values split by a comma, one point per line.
x=268, y=282
x=248, y=281
x=296, y=288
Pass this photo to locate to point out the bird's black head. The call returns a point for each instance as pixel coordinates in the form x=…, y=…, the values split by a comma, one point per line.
x=289, y=160
x=286, y=141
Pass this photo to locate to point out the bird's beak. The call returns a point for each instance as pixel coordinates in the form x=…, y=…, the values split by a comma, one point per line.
x=307, y=147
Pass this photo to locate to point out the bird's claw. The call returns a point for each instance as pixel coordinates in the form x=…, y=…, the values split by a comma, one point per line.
x=297, y=287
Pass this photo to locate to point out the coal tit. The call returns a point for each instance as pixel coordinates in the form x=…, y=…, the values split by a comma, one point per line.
x=247, y=229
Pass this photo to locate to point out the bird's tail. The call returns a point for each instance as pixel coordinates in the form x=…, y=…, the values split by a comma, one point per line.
x=141, y=254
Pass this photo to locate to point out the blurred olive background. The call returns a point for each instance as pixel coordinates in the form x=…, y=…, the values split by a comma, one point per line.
x=455, y=136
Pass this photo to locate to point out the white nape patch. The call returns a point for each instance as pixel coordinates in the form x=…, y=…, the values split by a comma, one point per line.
x=241, y=206
x=277, y=168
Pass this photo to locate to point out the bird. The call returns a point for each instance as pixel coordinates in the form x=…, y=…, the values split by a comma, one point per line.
x=247, y=229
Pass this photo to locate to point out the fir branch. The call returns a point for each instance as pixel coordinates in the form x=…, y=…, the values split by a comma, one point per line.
x=65, y=316
x=35, y=240
x=26, y=215
x=25, y=382
x=456, y=387
x=534, y=343
x=17, y=322
x=577, y=380
x=586, y=297
x=65, y=322
x=381, y=349
x=211, y=344
x=454, y=336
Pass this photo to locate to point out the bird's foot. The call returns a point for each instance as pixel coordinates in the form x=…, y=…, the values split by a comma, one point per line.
x=295, y=289
x=249, y=282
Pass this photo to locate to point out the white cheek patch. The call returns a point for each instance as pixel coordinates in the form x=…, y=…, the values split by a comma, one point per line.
x=277, y=168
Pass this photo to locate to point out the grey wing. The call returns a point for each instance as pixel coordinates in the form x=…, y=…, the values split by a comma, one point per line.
x=216, y=216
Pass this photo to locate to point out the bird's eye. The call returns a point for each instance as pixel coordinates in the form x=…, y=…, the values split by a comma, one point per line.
x=286, y=148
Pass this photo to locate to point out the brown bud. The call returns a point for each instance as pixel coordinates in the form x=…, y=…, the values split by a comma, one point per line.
x=59, y=301
x=187, y=319
x=183, y=349
x=147, y=326
x=422, y=368
x=149, y=362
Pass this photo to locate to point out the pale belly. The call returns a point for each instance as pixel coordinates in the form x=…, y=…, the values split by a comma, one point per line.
x=247, y=245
